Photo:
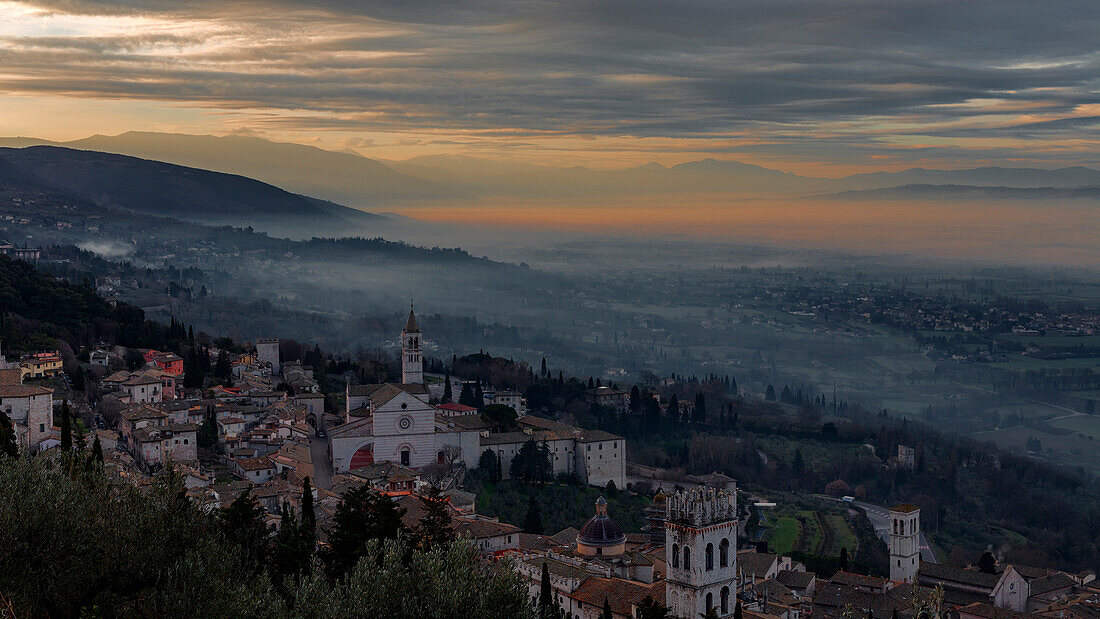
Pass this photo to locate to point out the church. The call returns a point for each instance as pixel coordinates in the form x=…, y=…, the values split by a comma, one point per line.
x=396, y=422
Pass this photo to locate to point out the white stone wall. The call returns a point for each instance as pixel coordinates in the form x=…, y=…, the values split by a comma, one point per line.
x=599, y=462
x=144, y=394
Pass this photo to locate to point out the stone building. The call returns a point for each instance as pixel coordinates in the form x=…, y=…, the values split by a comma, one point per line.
x=701, y=551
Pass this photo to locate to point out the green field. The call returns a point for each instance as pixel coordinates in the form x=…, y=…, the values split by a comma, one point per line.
x=1069, y=449
x=1086, y=341
x=784, y=533
x=1089, y=425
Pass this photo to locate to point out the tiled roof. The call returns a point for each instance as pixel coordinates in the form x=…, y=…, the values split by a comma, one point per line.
x=619, y=593
x=1053, y=582
x=22, y=391
x=795, y=580
x=951, y=574
x=479, y=528
x=755, y=562
x=905, y=508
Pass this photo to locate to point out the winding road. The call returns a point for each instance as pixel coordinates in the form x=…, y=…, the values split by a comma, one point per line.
x=880, y=518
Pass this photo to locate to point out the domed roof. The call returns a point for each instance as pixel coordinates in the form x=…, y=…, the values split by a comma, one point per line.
x=600, y=530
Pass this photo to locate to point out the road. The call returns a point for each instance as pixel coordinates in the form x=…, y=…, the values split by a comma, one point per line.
x=880, y=518
x=322, y=469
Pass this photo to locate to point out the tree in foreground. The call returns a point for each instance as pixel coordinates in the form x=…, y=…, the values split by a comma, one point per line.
x=66, y=427
x=548, y=607
x=243, y=525
x=8, y=445
x=309, y=515
x=444, y=582
x=434, y=529
x=363, y=515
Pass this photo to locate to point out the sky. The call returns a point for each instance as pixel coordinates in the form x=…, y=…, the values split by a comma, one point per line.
x=819, y=87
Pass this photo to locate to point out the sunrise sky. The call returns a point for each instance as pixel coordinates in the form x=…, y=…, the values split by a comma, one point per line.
x=825, y=87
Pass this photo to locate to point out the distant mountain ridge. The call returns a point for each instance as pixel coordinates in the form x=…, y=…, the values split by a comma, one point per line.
x=967, y=192
x=168, y=190
x=356, y=180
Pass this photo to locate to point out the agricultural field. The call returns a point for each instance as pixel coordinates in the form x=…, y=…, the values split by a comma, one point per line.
x=814, y=527
x=1089, y=425
x=1061, y=445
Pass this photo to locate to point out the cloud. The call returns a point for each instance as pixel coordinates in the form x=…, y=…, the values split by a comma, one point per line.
x=805, y=79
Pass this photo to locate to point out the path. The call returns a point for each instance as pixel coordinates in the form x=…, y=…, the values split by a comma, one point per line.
x=322, y=468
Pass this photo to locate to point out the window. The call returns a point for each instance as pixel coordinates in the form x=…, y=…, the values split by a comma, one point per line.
x=687, y=558
x=406, y=457
x=710, y=601
x=710, y=557
x=724, y=553
x=725, y=598
x=675, y=555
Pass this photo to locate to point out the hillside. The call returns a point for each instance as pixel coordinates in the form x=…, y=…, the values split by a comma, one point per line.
x=168, y=190
x=339, y=177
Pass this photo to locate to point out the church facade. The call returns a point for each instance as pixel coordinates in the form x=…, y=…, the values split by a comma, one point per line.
x=396, y=422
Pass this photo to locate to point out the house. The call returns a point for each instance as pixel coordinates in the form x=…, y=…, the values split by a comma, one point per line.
x=595, y=456
x=451, y=409
x=41, y=365
x=30, y=408
x=257, y=470
x=165, y=361
x=757, y=566
x=143, y=389
x=617, y=400
x=513, y=399
x=153, y=446
x=907, y=457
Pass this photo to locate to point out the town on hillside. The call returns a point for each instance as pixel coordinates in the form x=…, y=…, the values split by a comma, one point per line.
x=249, y=421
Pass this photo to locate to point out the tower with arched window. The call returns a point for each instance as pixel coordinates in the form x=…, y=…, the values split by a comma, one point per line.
x=701, y=552
x=412, y=356
x=904, y=543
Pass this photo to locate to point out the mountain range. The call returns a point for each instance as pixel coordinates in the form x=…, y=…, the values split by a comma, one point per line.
x=358, y=181
x=168, y=190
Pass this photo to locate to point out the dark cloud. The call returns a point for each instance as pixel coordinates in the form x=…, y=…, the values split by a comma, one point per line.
x=811, y=78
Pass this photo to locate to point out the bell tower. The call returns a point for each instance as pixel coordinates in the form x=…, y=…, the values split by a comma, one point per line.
x=412, y=358
x=904, y=543
x=701, y=552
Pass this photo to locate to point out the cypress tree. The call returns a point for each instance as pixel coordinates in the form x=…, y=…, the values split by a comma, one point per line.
x=606, y=614
x=546, y=593
x=66, y=427
x=447, y=395
x=844, y=559
x=737, y=613
x=8, y=446
x=532, y=522
x=97, y=450
x=309, y=516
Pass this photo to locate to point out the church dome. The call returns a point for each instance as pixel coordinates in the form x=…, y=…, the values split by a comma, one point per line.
x=600, y=531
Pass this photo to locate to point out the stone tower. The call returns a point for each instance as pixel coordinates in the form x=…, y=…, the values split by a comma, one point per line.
x=412, y=358
x=267, y=351
x=701, y=552
x=904, y=543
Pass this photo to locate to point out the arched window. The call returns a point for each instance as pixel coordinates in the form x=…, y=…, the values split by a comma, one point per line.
x=406, y=456
x=710, y=557
x=675, y=555
x=687, y=558
x=710, y=602
x=725, y=599
x=724, y=553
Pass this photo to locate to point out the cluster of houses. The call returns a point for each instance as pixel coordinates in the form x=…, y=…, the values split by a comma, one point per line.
x=398, y=439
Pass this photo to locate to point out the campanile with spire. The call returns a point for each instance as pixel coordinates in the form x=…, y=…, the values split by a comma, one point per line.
x=412, y=358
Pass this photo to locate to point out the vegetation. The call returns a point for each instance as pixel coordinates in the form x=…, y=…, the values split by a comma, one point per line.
x=74, y=541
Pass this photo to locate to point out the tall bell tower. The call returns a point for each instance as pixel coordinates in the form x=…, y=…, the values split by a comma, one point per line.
x=701, y=552
x=412, y=357
x=904, y=543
